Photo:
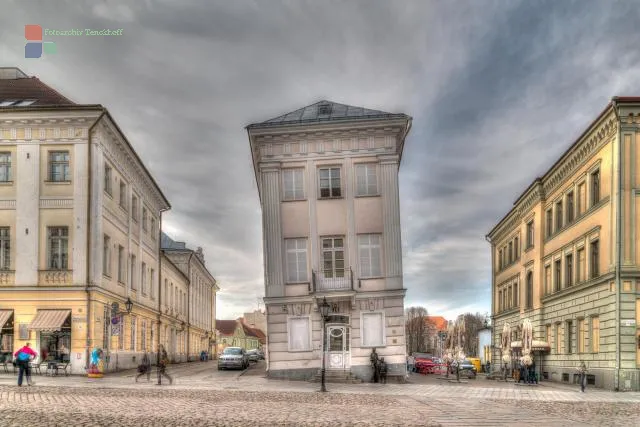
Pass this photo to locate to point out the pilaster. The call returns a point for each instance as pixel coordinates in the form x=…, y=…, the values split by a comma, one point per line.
x=272, y=229
x=391, y=218
x=312, y=196
x=80, y=214
x=352, y=244
x=27, y=214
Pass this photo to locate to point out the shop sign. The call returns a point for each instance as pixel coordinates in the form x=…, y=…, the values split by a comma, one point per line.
x=78, y=319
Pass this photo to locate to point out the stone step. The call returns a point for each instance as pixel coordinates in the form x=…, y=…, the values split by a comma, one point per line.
x=344, y=377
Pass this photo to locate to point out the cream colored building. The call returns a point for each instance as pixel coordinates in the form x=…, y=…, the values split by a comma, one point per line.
x=566, y=257
x=80, y=220
x=327, y=178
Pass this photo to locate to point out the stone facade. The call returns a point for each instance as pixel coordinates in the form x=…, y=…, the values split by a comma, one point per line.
x=565, y=257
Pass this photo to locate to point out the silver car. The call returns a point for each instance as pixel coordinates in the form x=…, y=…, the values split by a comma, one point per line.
x=233, y=357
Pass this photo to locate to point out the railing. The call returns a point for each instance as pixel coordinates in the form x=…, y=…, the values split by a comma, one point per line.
x=55, y=277
x=7, y=277
x=320, y=282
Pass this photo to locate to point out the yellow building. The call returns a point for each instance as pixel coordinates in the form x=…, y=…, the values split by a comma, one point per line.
x=80, y=221
x=566, y=257
x=235, y=333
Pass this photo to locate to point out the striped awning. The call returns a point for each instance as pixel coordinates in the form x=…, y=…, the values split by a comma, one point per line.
x=5, y=315
x=49, y=320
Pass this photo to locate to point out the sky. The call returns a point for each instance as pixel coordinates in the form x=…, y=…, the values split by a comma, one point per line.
x=497, y=91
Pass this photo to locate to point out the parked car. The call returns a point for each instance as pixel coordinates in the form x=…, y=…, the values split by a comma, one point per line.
x=261, y=354
x=423, y=362
x=253, y=355
x=466, y=368
x=233, y=357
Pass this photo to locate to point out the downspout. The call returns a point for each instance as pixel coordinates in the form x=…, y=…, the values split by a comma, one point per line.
x=90, y=324
x=189, y=305
x=488, y=239
x=159, y=285
x=616, y=380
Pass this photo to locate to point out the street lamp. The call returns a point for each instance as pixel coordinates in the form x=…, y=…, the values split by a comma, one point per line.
x=128, y=304
x=324, y=311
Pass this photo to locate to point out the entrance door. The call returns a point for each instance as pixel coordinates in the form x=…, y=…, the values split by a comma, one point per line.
x=338, y=346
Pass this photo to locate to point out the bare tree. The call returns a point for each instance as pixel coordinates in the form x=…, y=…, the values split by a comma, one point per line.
x=473, y=323
x=416, y=329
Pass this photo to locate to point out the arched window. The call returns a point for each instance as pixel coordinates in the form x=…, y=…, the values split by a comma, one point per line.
x=530, y=290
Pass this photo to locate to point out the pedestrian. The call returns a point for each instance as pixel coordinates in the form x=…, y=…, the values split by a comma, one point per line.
x=582, y=371
x=412, y=363
x=383, y=370
x=373, y=358
x=23, y=357
x=162, y=365
x=488, y=367
x=144, y=367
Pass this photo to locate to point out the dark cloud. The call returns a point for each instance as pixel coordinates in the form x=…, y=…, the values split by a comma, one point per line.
x=498, y=90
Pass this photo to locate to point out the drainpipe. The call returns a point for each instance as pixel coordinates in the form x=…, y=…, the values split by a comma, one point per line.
x=488, y=239
x=616, y=380
x=159, y=287
x=90, y=324
x=189, y=305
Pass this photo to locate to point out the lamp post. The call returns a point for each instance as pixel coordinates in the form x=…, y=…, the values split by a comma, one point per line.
x=324, y=311
x=128, y=304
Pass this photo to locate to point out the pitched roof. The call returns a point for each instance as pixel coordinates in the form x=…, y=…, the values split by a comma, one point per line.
x=254, y=332
x=226, y=327
x=439, y=322
x=325, y=111
x=17, y=86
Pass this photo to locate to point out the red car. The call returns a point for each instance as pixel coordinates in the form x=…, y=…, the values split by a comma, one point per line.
x=424, y=363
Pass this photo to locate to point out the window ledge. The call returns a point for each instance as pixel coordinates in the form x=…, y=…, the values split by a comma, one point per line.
x=294, y=200
x=306, y=282
x=579, y=286
x=528, y=248
x=578, y=219
x=57, y=182
x=330, y=198
x=6, y=183
x=367, y=195
x=372, y=278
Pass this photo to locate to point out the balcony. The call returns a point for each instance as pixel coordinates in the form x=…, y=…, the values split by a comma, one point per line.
x=7, y=277
x=55, y=277
x=327, y=282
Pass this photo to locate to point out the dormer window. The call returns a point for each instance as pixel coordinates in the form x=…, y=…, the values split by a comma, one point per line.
x=16, y=102
x=324, y=109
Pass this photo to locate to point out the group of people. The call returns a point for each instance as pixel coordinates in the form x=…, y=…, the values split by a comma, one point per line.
x=528, y=373
x=145, y=366
x=379, y=367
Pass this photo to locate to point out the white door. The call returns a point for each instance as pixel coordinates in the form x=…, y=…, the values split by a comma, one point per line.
x=338, y=346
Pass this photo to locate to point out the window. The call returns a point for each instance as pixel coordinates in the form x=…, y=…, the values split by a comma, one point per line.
x=296, y=260
x=549, y=217
x=143, y=335
x=366, y=180
x=530, y=290
x=582, y=335
x=508, y=304
x=134, y=333
x=152, y=285
x=121, y=267
x=547, y=279
x=516, y=300
x=145, y=225
x=581, y=272
x=293, y=184
x=568, y=265
x=134, y=208
x=510, y=252
x=330, y=183
x=5, y=167
x=559, y=215
x=530, y=234
x=123, y=195
x=333, y=257
x=595, y=259
x=59, y=166
x=570, y=207
x=595, y=334
x=569, y=326
x=133, y=273
x=5, y=249
x=516, y=245
x=370, y=255
x=372, y=330
x=153, y=228
x=299, y=334
x=324, y=109
x=500, y=260
x=143, y=279
x=558, y=276
x=58, y=248
x=547, y=330
x=166, y=292
x=582, y=198
x=107, y=180
x=106, y=256
x=500, y=301
x=558, y=338
x=595, y=187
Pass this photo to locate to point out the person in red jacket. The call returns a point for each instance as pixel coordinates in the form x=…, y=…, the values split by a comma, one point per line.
x=23, y=357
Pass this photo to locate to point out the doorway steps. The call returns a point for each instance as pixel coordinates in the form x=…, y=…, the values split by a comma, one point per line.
x=342, y=377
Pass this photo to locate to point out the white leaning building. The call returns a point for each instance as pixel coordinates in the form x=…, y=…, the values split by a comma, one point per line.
x=327, y=179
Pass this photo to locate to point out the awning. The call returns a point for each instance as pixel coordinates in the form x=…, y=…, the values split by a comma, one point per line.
x=516, y=344
x=5, y=315
x=49, y=320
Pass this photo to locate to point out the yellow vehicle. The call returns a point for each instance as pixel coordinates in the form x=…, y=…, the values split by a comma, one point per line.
x=476, y=363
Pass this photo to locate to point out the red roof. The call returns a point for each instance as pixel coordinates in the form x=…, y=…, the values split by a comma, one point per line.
x=226, y=327
x=31, y=88
x=439, y=322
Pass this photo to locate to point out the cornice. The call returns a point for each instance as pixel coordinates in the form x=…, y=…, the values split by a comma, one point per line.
x=306, y=130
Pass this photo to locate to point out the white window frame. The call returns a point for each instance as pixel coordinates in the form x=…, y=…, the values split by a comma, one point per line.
x=367, y=245
x=134, y=207
x=5, y=248
x=294, y=178
x=106, y=256
x=332, y=176
x=108, y=177
x=64, y=163
x=123, y=195
x=5, y=166
x=333, y=249
x=366, y=177
x=307, y=345
x=63, y=240
x=299, y=249
x=383, y=336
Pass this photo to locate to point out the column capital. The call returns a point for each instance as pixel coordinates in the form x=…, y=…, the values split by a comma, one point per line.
x=270, y=166
x=389, y=159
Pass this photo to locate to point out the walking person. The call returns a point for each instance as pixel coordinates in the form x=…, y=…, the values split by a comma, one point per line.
x=411, y=361
x=162, y=365
x=23, y=357
x=144, y=367
x=582, y=371
x=382, y=367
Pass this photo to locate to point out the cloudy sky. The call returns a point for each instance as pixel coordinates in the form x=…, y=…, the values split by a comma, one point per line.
x=497, y=90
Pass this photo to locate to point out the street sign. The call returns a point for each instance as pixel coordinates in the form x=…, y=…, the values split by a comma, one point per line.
x=115, y=330
x=628, y=322
x=115, y=320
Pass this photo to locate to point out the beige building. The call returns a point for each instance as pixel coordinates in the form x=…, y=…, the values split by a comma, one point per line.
x=256, y=319
x=80, y=220
x=566, y=257
x=327, y=178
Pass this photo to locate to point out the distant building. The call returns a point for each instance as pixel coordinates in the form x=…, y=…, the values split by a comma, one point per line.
x=256, y=319
x=234, y=333
x=484, y=345
x=436, y=334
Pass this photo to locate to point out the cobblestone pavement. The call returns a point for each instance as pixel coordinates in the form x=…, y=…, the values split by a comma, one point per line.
x=203, y=396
